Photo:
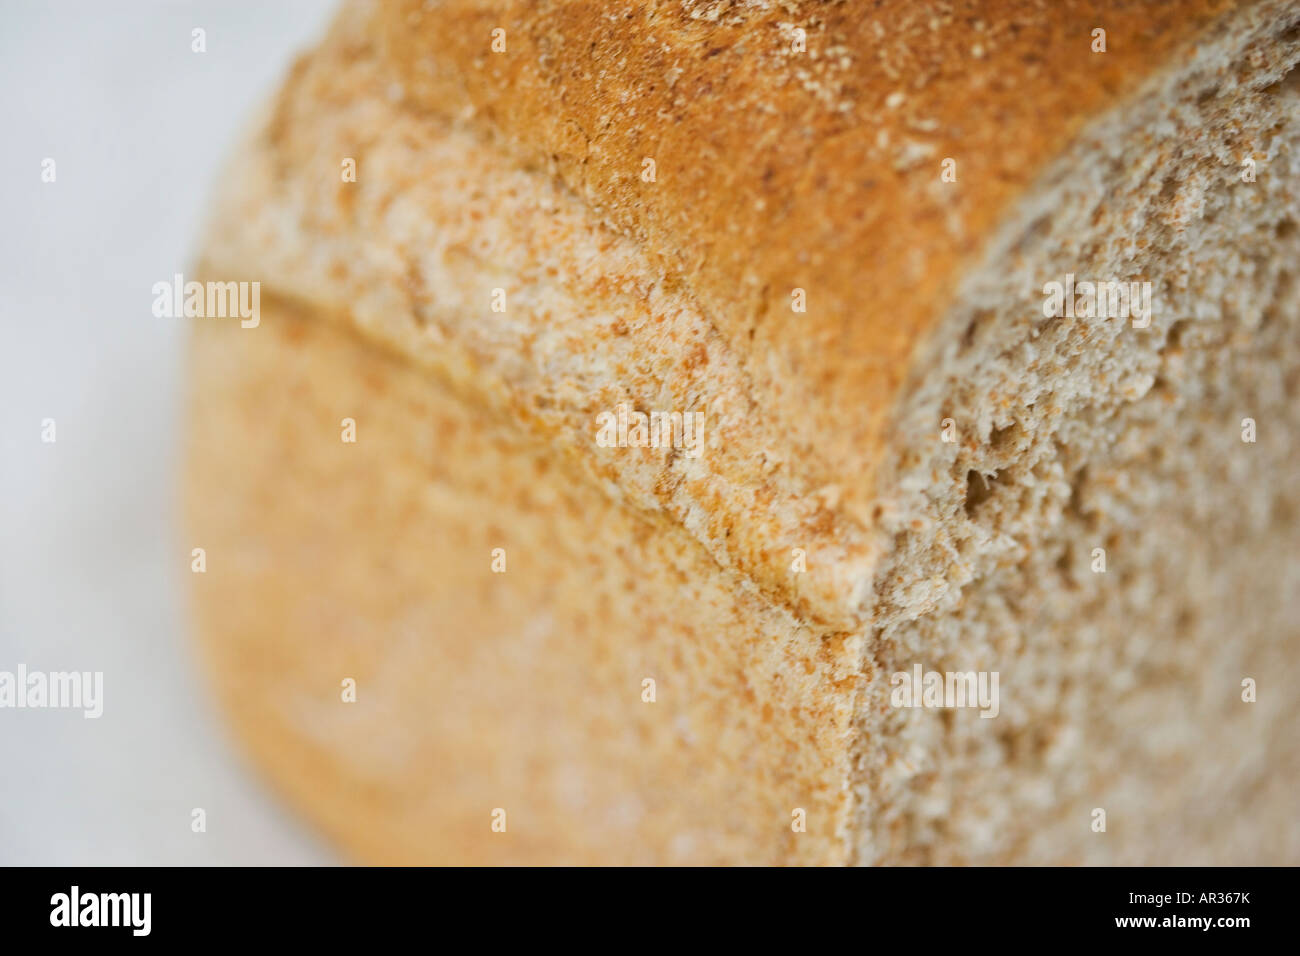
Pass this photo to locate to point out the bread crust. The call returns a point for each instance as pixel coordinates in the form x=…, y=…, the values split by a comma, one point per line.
x=778, y=170
x=523, y=689
x=411, y=253
x=795, y=191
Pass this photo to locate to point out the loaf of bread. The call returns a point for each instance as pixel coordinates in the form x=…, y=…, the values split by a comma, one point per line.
x=739, y=431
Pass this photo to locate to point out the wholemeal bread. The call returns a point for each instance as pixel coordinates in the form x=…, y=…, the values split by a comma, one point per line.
x=831, y=232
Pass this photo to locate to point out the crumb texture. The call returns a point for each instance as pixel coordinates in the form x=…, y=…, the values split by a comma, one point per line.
x=1079, y=441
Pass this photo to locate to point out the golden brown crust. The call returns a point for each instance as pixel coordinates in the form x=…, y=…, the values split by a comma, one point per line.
x=475, y=690
x=779, y=170
x=410, y=254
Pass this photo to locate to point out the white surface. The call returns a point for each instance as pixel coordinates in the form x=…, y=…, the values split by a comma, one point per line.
x=92, y=566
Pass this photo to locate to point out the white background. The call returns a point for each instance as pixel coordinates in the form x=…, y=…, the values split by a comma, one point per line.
x=92, y=566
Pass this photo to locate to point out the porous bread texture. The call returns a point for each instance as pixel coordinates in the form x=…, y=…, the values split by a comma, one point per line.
x=1086, y=433
x=1120, y=690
